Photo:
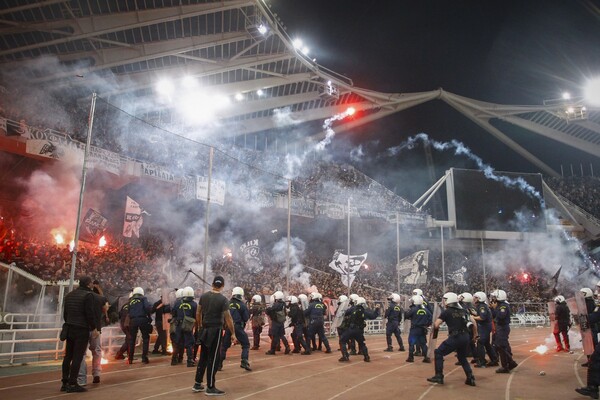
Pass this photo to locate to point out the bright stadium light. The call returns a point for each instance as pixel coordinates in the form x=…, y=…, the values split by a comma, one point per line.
x=260, y=92
x=566, y=96
x=305, y=50
x=297, y=43
x=592, y=92
x=239, y=96
x=262, y=29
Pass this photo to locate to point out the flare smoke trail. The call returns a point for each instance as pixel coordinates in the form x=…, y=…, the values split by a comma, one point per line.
x=461, y=150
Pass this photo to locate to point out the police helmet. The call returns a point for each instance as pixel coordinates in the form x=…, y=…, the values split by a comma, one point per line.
x=395, y=297
x=302, y=296
x=418, y=292
x=587, y=293
x=466, y=297
x=343, y=298
x=187, y=292
x=450, y=298
x=361, y=301
x=138, y=290
x=293, y=299
x=179, y=293
x=237, y=292
x=316, y=296
x=559, y=299
x=499, y=294
x=256, y=298
x=417, y=300
x=130, y=294
x=353, y=298
x=278, y=295
x=480, y=296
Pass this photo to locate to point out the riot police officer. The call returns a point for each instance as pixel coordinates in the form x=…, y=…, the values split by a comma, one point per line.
x=124, y=325
x=177, y=355
x=186, y=321
x=316, y=319
x=465, y=300
x=420, y=319
x=276, y=313
x=501, y=313
x=563, y=322
x=357, y=315
x=459, y=323
x=483, y=318
x=393, y=315
x=139, y=319
x=297, y=320
x=257, y=319
x=593, y=372
x=240, y=315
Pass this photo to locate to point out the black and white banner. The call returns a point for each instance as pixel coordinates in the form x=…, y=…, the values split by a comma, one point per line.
x=347, y=266
x=133, y=218
x=157, y=172
x=250, y=251
x=413, y=269
x=217, y=190
x=92, y=226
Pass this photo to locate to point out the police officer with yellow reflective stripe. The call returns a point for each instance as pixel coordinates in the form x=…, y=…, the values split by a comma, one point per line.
x=501, y=314
x=240, y=315
x=139, y=317
x=186, y=321
x=315, y=313
x=393, y=315
x=357, y=315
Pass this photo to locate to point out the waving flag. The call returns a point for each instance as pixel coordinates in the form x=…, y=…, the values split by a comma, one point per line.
x=347, y=266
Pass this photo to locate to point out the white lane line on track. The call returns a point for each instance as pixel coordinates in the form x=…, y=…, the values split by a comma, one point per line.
x=421, y=397
x=576, y=369
x=264, y=371
x=368, y=380
x=507, y=391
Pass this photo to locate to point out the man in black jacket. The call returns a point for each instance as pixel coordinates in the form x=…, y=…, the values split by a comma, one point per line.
x=563, y=323
x=79, y=314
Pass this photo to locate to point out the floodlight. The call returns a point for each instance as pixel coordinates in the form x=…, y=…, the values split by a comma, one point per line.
x=260, y=92
x=592, y=92
x=305, y=50
x=239, y=97
x=297, y=43
x=262, y=29
x=566, y=96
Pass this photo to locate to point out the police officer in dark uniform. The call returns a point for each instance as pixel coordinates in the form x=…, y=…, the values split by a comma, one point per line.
x=80, y=322
x=276, y=313
x=257, y=318
x=420, y=319
x=184, y=329
x=501, y=314
x=593, y=372
x=297, y=320
x=459, y=323
x=139, y=319
x=465, y=300
x=177, y=355
x=240, y=315
x=124, y=324
x=315, y=314
x=393, y=315
x=159, y=309
x=418, y=292
x=563, y=322
x=483, y=317
x=357, y=316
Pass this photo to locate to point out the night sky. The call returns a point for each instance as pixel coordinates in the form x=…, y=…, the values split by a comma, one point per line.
x=509, y=52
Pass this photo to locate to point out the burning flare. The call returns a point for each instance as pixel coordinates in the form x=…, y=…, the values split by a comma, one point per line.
x=541, y=349
x=102, y=242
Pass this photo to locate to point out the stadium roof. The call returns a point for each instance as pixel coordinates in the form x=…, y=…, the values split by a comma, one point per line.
x=236, y=47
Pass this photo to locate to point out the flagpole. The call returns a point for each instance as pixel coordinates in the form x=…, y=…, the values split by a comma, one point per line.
x=348, y=260
x=443, y=266
x=82, y=189
x=483, y=264
x=289, y=219
x=398, y=251
x=210, y=164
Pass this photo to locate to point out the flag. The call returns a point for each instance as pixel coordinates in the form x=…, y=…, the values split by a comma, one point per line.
x=347, y=266
x=92, y=226
x=251, y=254
x=133, y=218
x=458, y=276
x=552, y=282
x=414, y=268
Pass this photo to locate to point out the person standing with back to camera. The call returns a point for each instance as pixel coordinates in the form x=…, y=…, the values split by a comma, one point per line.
x=213, y=311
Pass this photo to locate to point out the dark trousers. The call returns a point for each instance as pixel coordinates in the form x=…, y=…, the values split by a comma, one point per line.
x=161, y=340
x=593, y=373
x=298, y=338
x=417, y=338
x=210, y=355
x=484, y=344
x=142, y=325
x=392, y=328
x=184, y=340
x=458, y=343
x=77, y=341
x=256, y=331
x=503, y=346
x=241, y=336
x=278, y=333
x=125, y=345
x=357, y=334
x=316, y=328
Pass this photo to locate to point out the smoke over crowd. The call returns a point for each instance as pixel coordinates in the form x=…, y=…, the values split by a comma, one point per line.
x=164, y=164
